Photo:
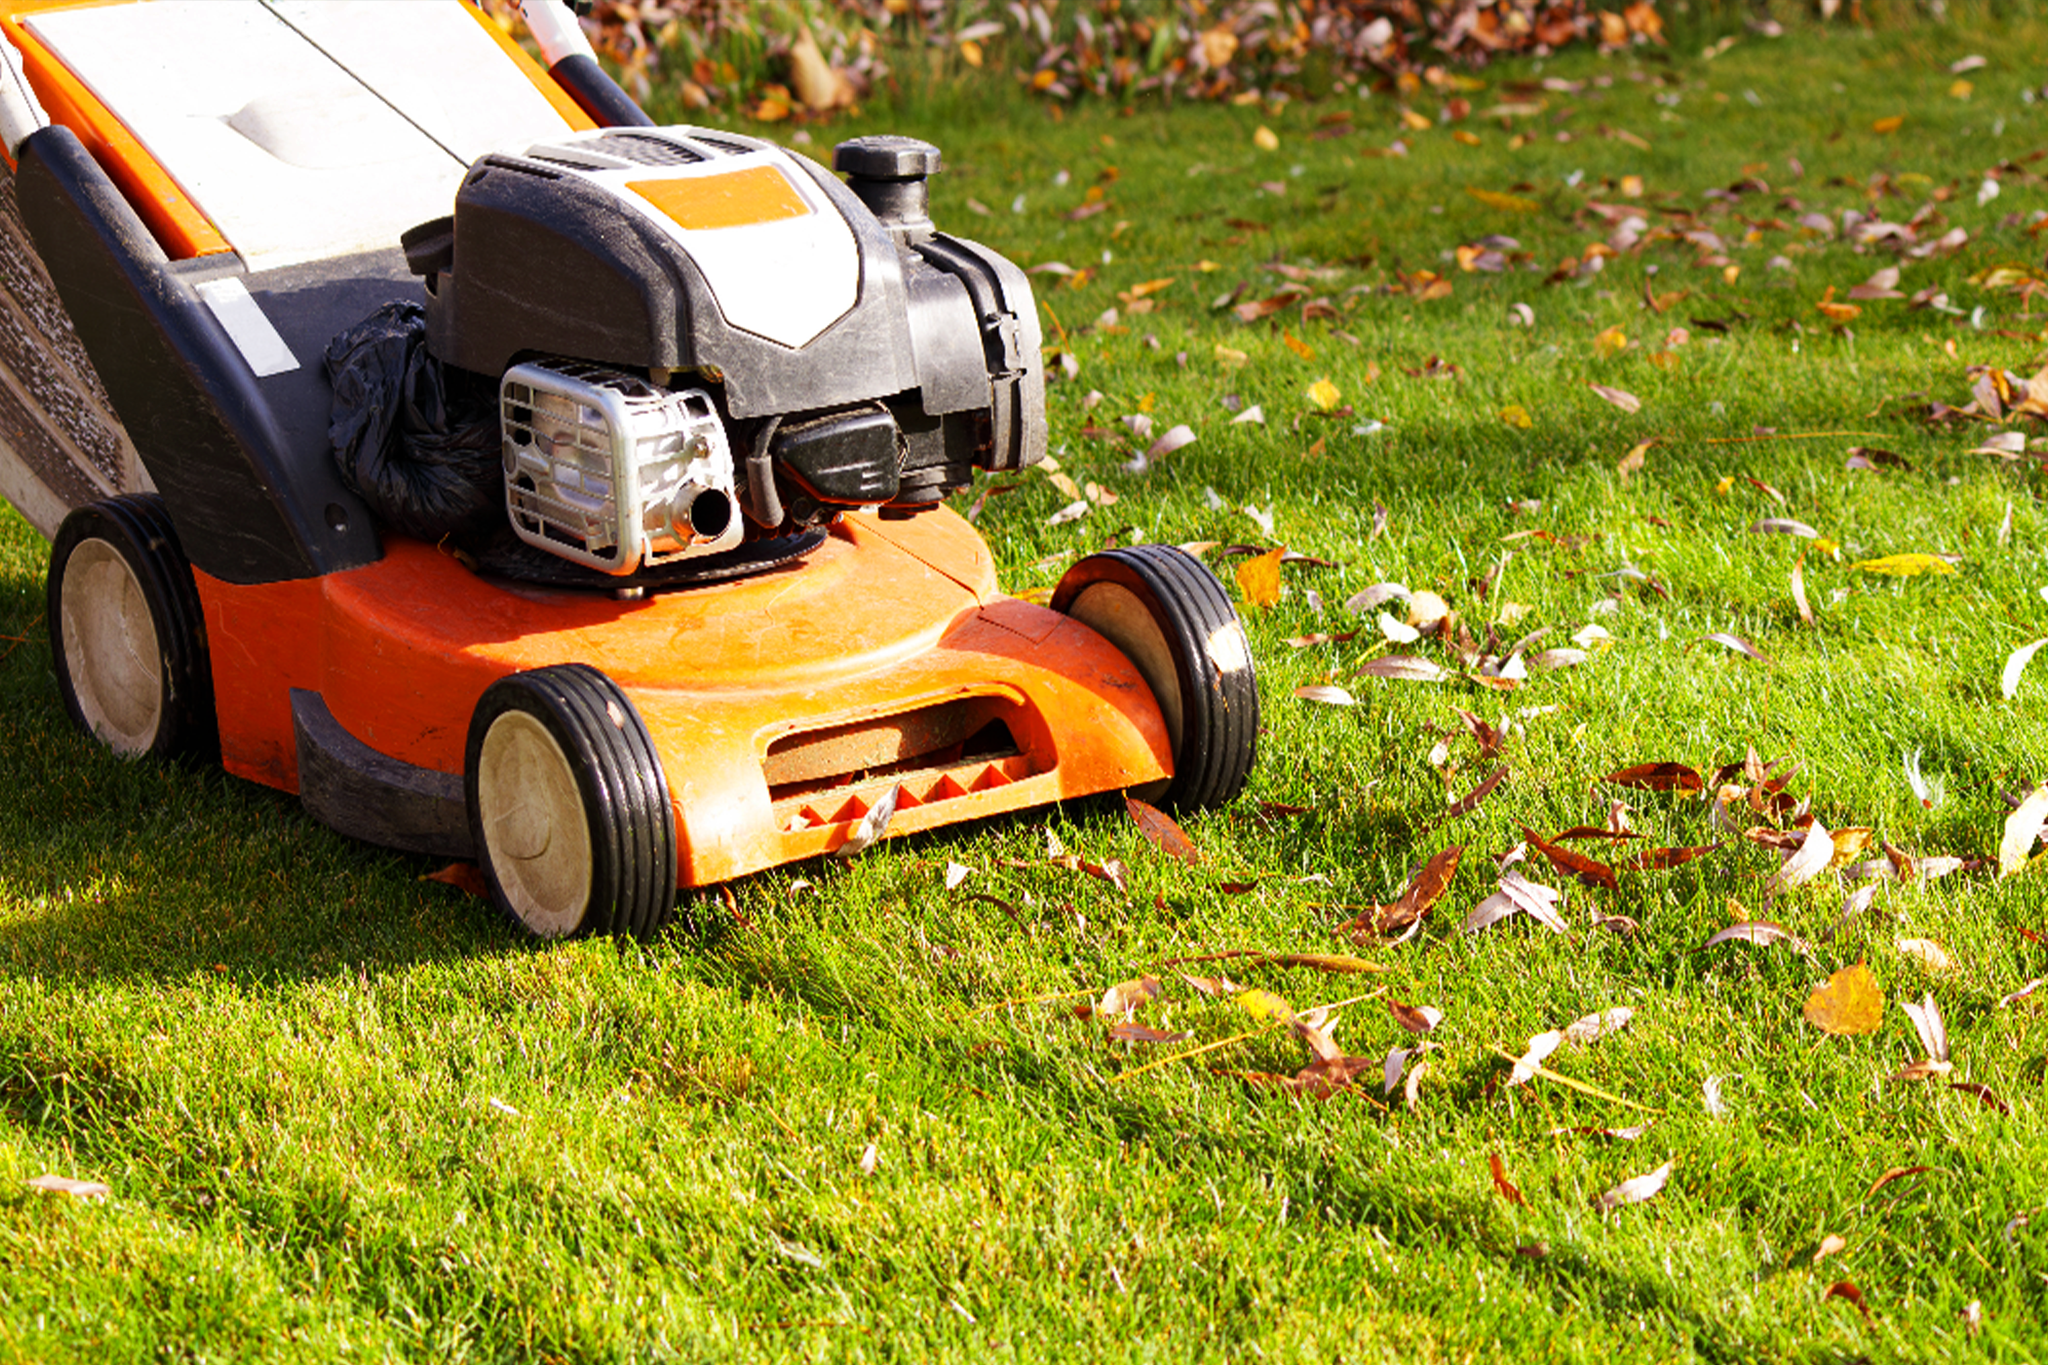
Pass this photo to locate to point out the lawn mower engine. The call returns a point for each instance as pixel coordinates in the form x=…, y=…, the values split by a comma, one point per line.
x=700, y=340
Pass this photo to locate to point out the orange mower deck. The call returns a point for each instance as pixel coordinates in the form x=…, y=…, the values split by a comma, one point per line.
x=782, y=706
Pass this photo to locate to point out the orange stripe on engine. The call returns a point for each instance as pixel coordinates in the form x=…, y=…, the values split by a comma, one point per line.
x=759, y=194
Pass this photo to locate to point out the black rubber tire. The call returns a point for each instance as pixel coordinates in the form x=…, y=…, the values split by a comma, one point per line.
x=96, y=614
x=609, y=791
x=1169, y=616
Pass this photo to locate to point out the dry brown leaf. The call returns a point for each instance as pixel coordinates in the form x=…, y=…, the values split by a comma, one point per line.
x=1799, y=591
x=1848, y=1293
x=1933, y=1031
x=1895, y=1173
x=1928, y=952
x=1423, y=891
x=1829, y=1246
x=1739, y=645
x=1415, y=1018
x=1215, y=986
x=1502, y=1185
x=1403, y=668
x=1125, y=997
x=1664, y=859
x=1157, y=826
x=1586, y=869
x=66, y=1186
x=1593, y=1027
x=1325, y=694
x=1658, y=777
x=1762, y=933
x=1850, y=1003
x=1471, y=801
x=1982, y=1094
x=463, y=877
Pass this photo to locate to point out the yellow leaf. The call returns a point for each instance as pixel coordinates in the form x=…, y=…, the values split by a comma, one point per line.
x=1961, y=90
x=1849, y=843
x=1730, y=274
x=1065, y=485
x=771, y=111
x=1905, y=566
x=1889, y=125
x=1825, y=546
x=1298, y=346
x=1611, y=342
x=1631, y=187
x=1850, y=1003
x=1512, y=203
x=1469, y=139
x=1146, y=400
x=1324, y=394
x=1265, y=1005
x=1259, y=578
x=1230, y=356
x=1517, y=416
x=1139, y=291
x=1265, y=139
x=1721, y=488
x=1206, y=266
x=970, y=51
x=1664, y=360
x=1044, y=79
x=1414, y=122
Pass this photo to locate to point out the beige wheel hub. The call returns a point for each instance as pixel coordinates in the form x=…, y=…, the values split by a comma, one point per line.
x=536, y=836
x=111, y=650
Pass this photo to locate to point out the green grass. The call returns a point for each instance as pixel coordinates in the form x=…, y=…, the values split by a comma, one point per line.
x=347, y=1114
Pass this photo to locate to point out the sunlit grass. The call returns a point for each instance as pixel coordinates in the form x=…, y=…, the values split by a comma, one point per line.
x=347, y=1114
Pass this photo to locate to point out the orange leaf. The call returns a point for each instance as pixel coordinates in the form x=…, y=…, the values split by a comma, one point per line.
x=1298, y=346
x=1570, y=860
x=1658, y=777
x=1501, y=1183
x=1259, y=578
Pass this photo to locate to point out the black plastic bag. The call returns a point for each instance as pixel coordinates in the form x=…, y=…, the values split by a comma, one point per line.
x=416, y=440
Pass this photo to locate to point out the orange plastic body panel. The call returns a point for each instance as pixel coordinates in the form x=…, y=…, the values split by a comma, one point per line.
x=884, y=618
x=178, y=225
x=176, y=222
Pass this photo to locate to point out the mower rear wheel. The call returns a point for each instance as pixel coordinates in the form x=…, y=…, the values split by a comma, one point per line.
x=1170, y=617
x=127, y=636
x=569, y=807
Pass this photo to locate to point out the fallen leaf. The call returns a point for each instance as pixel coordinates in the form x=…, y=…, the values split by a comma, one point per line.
x=1808, y=861
x=1761, y=932
x=1471, y=801
x=1325, y=693
x=1982, y=1094
x=1586, y=869
x=1784, y=526
x=1848, y=1293
x=2023, y=992
x=2016, y=664
x=1739, y=645
x=1501, y=1184
x=1593, y=1027
x=872, y=826
x=1905, y=566
x=1636, y=1190
x=1403, y=668
x=1710, y=1097
x=1144, y=1033
x=1928, y=1023
x=1517, y=416
x=1621, y=398
x=1850, y=1003
x=1610, y=343
x=1259, y=578
x=1927, y=952
x=65, y=1185
x=1664, y=859
x=1895, y=1173
x=2022, y=829
x=1829, y=1246
x=1157, y=826
x=463, y=877
x=1658, y=777
x=1415, y=1018
x=1422, y=892
x=1125, y=997
x=1799, y=591
x=1539, y=1049
x=1265, y=139
x=1511, y=203
x=1889, y=125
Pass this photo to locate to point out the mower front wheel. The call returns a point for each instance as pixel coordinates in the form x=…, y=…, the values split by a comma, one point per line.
x=1170, y=617
x=569, y=807
x=127, y=636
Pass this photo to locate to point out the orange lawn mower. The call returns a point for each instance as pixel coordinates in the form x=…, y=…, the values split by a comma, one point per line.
x=424, y=432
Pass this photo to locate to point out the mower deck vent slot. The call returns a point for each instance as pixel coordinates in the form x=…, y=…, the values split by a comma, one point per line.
x=649, y=151
x=919, y=788
x=940, y=740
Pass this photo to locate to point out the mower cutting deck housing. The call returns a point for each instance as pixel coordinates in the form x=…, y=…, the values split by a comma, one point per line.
x=558, y=495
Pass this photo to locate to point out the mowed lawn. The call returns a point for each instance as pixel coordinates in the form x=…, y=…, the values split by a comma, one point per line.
x=873, y=1110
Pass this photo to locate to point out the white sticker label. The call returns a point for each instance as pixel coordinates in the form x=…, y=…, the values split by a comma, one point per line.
x=247, y=327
